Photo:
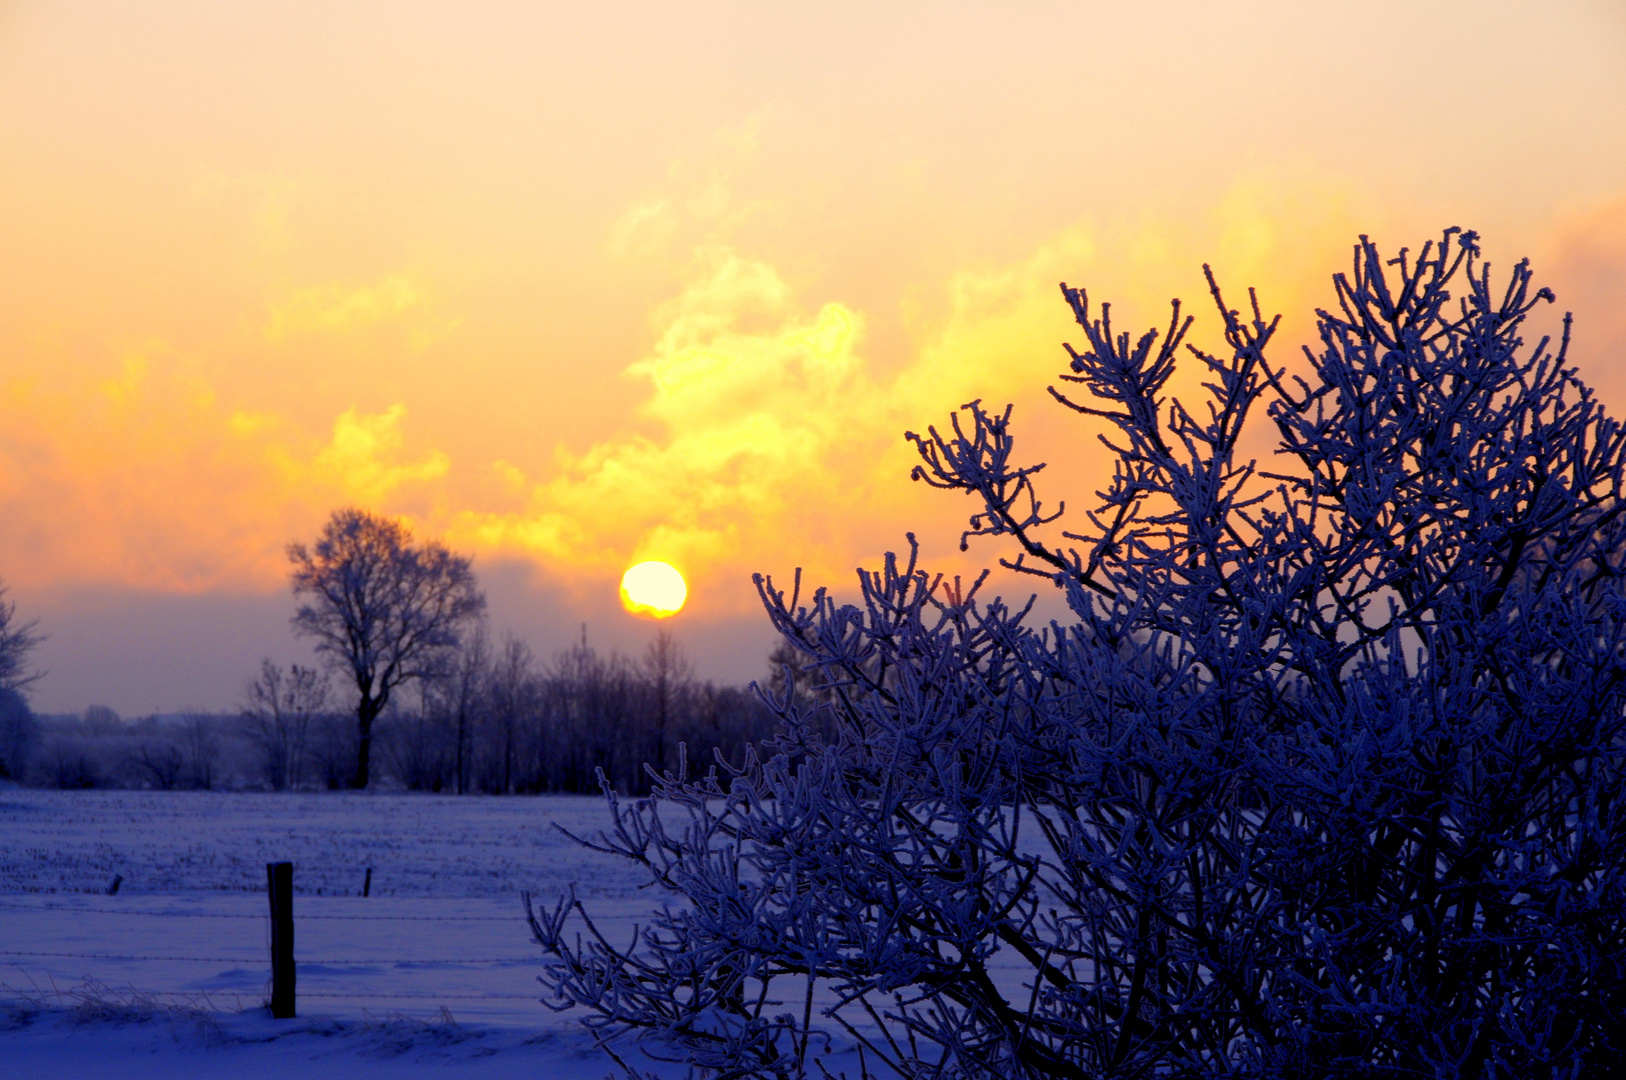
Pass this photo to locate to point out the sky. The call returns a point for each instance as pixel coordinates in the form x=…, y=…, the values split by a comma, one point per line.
x=571, y=286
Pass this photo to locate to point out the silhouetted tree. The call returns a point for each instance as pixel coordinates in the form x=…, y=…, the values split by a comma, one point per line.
x=591, y=702
x=420, y=744
x=69, y=764
x=278, y=711
x=460, y=697
x=19, y=734
x=667, y=675
x=17, y=640
x=159, y=762
x=382, y=609
x=200, y=743
x=794, y=682
x=100, y=720
x=333, y=750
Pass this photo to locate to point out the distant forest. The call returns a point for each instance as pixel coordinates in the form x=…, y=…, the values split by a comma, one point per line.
x=495, y=720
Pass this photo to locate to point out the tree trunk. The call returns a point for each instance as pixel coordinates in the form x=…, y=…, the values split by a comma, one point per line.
x=366, y=713
x=462, y=741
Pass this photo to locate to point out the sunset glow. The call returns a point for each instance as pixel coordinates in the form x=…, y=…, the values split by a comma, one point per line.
x=565, y=284
x=653, y=588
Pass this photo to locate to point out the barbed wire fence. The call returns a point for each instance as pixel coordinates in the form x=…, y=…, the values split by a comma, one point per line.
x=262, y=918
x=204, y=1000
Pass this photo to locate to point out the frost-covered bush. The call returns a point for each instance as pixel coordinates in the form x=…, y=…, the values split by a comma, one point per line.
x=1321, y=779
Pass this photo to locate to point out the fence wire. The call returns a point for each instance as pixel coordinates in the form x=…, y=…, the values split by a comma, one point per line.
x=201, y=995
x=239, y=915
x=352, y=961
x=194, y=995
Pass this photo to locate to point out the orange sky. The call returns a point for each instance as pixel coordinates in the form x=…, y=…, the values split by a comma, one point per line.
x=575, y=285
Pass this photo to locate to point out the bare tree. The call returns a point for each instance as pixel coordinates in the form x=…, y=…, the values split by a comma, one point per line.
x=17, y=640
x=419, y=745
x=512, y=697
x=200, y=743
x=457, y=694
x=101, y=720
x=333, y=750
x=667, y=675
x=278, y=710
x=383, y=610
x=19, y=733
x=67, y=765
x=794, y=682
x=160, y=762
x=595, y=701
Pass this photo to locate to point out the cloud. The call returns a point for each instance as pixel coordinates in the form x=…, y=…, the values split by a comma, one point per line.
x=752, y=428
x=762, y=436
x=768, y=438
x=1586, y=265
x=362, y=458
x=766, y=433
x=331, y=307
x=271, y=199
x=698, y=203
x=644, y=229
x=147, y=479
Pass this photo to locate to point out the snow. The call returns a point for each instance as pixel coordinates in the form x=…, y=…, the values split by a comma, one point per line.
x=251, y=1046
x=432, y=974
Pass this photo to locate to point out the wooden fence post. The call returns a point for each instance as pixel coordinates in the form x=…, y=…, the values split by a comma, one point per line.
x=279, y=881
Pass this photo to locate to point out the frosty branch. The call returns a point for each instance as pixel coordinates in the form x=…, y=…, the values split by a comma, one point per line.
x=1321, y=778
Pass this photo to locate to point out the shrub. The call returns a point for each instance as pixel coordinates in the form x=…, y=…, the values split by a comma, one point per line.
x=1321, y=778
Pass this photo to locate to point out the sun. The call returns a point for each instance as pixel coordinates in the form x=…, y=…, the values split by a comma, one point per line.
x=653, y=588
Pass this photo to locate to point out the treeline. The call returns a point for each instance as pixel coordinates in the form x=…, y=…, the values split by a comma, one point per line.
x=494, y=719
x=498, y=721
x=100, y=749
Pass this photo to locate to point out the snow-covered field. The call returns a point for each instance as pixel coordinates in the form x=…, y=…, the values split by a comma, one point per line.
x=433, y=974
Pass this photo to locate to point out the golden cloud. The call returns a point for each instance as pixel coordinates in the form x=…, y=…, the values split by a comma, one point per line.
x=753, y=424
x=766, y=436
x=361, y=458
x=769, y=440
x=1586, y=265
x=331, y=307
x=146, y=479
